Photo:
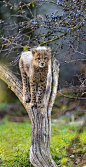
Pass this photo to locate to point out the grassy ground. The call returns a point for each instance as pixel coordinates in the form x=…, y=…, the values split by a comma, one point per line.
x=67, y=147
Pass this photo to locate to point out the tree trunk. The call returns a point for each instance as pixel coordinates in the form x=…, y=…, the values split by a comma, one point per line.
x=40, y=118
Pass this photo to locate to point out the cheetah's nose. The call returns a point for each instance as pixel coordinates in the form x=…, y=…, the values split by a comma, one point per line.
x=42, y=64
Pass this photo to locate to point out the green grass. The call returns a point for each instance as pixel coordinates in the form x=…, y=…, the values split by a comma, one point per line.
x=15, y=141
x=3, y=105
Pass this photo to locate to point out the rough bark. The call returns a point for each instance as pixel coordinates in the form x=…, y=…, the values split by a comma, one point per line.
x=41, y=119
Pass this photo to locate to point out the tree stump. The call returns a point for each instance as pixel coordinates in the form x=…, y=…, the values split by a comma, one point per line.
x=40, y=118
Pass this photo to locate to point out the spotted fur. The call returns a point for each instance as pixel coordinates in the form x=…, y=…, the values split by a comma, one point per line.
x=34, y=64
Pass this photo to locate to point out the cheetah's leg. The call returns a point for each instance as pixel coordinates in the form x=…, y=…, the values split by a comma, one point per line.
x=33, y=94
x=26, y=96
x=39, y=94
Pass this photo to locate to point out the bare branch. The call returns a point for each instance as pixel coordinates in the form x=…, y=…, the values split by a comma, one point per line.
x=48, y=86
x=12, y=81
x=69, y=97
x=56, y=66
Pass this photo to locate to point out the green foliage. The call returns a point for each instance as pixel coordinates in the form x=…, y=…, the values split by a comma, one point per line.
x=31, y=4
x=3, y=104
x=15, y=141
x=25, y=48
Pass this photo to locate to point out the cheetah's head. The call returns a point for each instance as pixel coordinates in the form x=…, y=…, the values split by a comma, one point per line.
x=41, y=56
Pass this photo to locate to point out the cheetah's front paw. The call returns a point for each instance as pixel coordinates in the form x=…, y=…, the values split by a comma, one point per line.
x=32, y=105
x=26, y=99
x=40, y=105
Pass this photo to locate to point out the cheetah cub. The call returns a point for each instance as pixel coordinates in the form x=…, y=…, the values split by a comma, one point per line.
x=34, y=64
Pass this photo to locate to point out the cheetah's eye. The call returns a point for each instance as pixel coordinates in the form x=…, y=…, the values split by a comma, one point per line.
x=38, y=58
x=45, y=58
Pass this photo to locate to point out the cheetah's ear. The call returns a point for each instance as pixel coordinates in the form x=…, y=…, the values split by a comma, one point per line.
x=49, y=50
x=33, y=51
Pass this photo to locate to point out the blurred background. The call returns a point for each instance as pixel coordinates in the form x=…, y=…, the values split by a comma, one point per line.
x=61, y=25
